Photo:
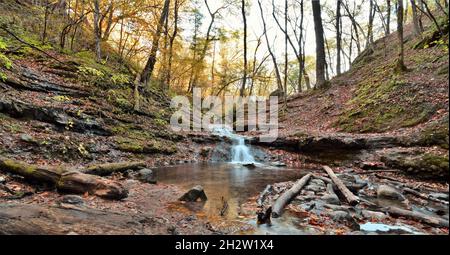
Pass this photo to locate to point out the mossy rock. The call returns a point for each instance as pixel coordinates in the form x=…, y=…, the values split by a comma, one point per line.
x=435, y=134
x=423, y=165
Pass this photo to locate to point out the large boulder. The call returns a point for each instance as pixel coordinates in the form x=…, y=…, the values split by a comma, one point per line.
x=146, y=175
x=195, y=194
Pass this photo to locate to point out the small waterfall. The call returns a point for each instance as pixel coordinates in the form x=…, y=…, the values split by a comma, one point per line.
x=240, y=152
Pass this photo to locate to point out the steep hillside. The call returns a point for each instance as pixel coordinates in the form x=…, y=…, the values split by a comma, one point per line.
x=61, y=106
x=401, y=118
x=373, y=98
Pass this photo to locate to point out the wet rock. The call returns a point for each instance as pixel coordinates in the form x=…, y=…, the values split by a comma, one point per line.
x=315, y=188
x=338, y=207
x=146, y=175
x=72, y=199
x=278, y=164
x=349, y=178
x=307, y=193
x=388, y=192
x=195, y=194
x=317, y=182
x=204, y=152
x=331, y=199
x=339, y=216
x=344, y=218
x=441, y=196
x=250, y=165
x=373, y=215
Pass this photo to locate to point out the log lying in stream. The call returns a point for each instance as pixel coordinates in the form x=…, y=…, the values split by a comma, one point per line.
x=109, y=168
x=416, y=216
x=287, y=196
x=351, y=199
x=423, y=196
x=65, y=180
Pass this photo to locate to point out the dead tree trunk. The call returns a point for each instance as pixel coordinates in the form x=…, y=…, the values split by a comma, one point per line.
x=65, y=180
x=351, y=199
x=423, y=196
x=287, y=196
x=416, y=216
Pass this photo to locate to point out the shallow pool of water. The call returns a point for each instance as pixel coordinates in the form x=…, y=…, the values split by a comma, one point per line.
x=229, y=182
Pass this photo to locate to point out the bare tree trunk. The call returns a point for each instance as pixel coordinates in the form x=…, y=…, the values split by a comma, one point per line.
x=98, y=52
x=388, y=17
x=338, y=37
x=417, y=30
x=400, y=62
x=148, y=70
x=172, y=40
x=244, y=17
x=46, y=14
x=301, y=62
x=286, y=60
x=369, y=40
x=274, y=60
x=320, y=45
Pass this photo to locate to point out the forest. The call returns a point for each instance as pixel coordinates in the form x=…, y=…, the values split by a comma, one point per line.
x=88, y=93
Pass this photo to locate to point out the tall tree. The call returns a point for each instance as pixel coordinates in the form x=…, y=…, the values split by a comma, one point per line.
x=171, y=42
x=286, y=60
x=372, y=12
x=97, y=31
x=388, y=17
x=417, y=30
x=148, y=70
x=338, y=37
x=401, y=56
x=320, y=45
x=274, y=59
x=209, y=38
x=244, y=18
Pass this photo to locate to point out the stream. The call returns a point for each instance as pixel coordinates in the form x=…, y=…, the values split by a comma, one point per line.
x=233, y=183
x=238, y=175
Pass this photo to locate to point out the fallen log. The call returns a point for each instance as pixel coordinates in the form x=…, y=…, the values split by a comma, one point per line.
x=263, y=195
x=416, y=216
x=423, y=196
x=370, y=171
x=420, y=186
x=349, y=196
x=287, y=196
x=353, y=187
x=108, y=169
x=65, y=180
